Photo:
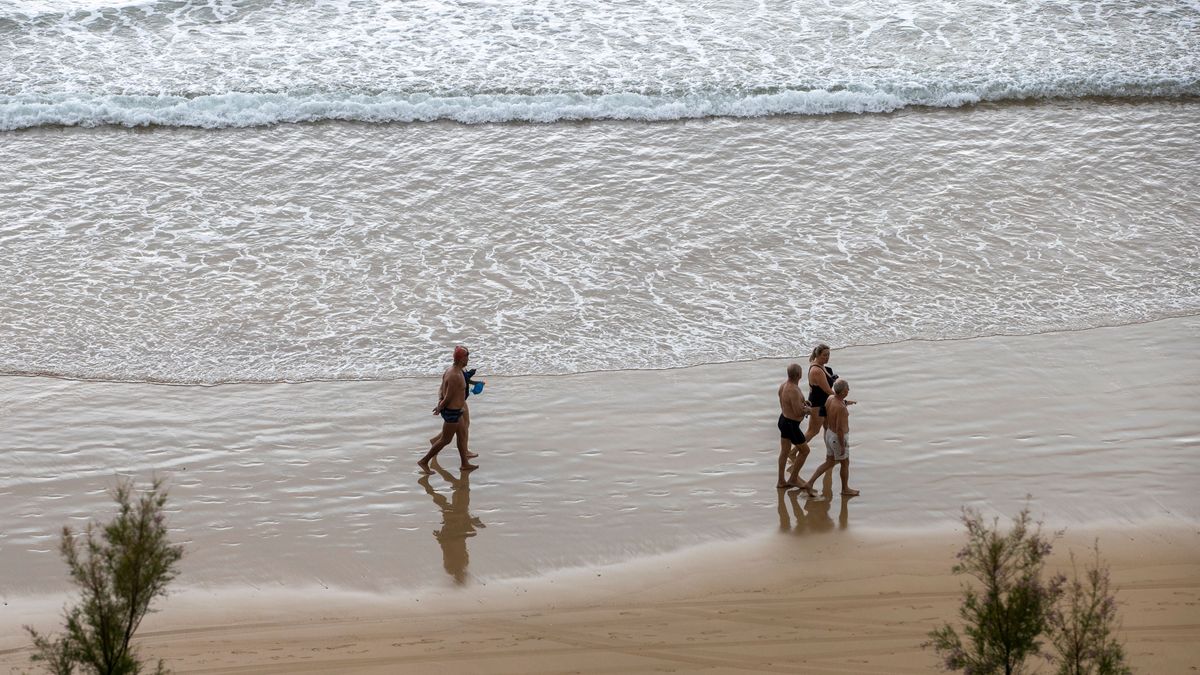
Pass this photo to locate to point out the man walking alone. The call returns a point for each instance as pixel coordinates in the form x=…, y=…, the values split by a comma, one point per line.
x=452, y=401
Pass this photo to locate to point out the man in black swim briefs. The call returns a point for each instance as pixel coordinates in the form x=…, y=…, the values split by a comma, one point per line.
x=452, y=402
x=791, y=438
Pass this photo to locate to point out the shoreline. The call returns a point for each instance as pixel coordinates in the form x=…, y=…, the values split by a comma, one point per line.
x=316, y=483
x=434, y=376
x=965, y=107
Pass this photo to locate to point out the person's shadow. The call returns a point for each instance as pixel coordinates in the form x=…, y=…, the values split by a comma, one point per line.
x=812, y=515
x=457, y=522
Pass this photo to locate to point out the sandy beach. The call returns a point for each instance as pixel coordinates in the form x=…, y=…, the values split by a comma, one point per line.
x=622, y=521
x=815, y=600
x=836, y=605
x=239, y=242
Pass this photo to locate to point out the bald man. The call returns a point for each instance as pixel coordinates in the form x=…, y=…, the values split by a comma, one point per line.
x=451, y=405
x=837, y=438
x=793, y=409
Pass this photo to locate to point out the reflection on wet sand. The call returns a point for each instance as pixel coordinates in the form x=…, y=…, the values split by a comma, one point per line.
x=457, y=521
x=812, y=515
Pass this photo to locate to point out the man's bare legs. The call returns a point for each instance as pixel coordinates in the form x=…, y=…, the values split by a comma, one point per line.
x=463, y=455
x=815, y=422
x=464, y=428
x=844, y=473
x=450, y=430
x=794, y=452
x=785, y=448
x=845, y=476
x=436, y=444
x=801, y=456
x=825, y=466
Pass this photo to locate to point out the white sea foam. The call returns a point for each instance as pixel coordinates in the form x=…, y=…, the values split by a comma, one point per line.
x=213, y=63
x=246, y=110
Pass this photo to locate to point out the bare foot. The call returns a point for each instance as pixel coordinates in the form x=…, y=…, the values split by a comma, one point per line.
x=849, y=493
x=425, y=468
x=780, y=486
x=469, y=467
x=472, y=455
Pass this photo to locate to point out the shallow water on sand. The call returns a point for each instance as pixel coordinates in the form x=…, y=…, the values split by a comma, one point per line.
x=315, y=483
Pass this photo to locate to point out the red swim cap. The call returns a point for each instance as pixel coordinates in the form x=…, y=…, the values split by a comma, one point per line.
x=460, y=352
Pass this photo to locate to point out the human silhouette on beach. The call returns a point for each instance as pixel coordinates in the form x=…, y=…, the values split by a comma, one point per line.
x=457, y=522
x=792, y=409
x=452, y=406
x=837, y=439
x=820, y=387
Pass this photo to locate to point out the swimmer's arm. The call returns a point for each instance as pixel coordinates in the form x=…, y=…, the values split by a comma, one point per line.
x=454, y=387
x=441, y=398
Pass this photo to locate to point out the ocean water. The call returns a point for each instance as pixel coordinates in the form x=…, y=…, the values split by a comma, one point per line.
x=672, y=184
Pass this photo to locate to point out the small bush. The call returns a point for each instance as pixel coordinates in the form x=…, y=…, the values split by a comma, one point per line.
x=1083, y=625
x=1004, y=618
x=120, y=568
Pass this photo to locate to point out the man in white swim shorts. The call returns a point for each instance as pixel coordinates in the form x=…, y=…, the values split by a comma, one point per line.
x=837, y=438
x=834, y=448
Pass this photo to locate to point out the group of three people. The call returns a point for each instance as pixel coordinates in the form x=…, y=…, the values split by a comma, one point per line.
x=826, y=408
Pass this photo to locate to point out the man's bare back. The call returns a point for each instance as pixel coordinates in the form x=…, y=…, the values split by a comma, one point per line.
x=453, y=394
x=791, y=401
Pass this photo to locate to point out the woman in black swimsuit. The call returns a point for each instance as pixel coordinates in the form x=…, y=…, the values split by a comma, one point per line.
x=820, y=387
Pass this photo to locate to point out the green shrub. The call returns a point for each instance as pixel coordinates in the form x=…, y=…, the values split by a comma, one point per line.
x=1003, y=619
x=1083, y=625
x=119, y=568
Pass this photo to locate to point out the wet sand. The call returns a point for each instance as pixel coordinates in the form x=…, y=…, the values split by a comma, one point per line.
x=286, y=493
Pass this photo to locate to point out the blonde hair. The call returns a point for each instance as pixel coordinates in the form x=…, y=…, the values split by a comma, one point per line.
x=817, y=351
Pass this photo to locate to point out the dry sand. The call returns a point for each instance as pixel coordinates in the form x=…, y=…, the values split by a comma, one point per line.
x=622, y=521
x=819, y=602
